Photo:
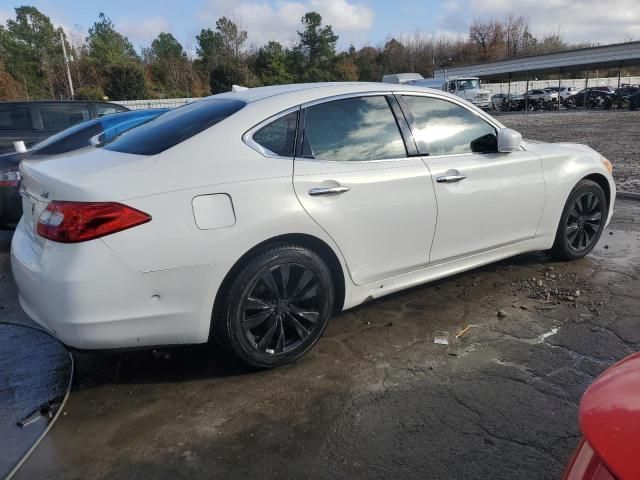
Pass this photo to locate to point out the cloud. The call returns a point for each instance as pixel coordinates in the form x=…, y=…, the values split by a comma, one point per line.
x=5, y=15
x=143, y=32
x=584, y=21
x=279, y=21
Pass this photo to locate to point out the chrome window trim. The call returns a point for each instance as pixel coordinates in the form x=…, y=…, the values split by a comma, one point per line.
x=247, y=137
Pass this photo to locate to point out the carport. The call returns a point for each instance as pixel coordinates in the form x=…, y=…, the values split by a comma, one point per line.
x=583, y=60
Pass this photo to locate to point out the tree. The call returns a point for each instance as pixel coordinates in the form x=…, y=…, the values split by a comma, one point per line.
x=272, y=65
x=488, y=37
x=32, y=53
x=221, y=56
x=168, y=65
x=316, y=49
x=124, y=82
x=108, y=47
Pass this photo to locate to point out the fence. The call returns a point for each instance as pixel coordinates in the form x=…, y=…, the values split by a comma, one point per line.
x=154, y=103
x=521, y=86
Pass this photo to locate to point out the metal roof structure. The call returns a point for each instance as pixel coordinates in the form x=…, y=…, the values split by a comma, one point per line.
x=580, y=60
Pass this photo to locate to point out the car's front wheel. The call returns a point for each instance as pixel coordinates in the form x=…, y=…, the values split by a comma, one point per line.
x=277, y=306
x=582, y=221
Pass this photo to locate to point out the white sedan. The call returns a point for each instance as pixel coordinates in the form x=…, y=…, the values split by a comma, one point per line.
x=252, y=217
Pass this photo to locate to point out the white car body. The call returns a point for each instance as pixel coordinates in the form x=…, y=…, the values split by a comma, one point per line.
x=215, y=197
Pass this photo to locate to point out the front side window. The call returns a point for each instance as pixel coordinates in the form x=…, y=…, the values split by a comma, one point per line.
x=353, y=129
x=279, y=136
x=60, y=116
x=445, y=128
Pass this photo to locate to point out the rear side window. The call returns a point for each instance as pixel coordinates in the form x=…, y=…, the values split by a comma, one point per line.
x=444, y=128
x=279, y=136
x=58, y=117
x=353, y=129
x=15, y=117
x=104, y=109
x=174, y=127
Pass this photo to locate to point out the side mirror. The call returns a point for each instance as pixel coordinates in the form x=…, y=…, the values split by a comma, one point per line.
x=509, y=140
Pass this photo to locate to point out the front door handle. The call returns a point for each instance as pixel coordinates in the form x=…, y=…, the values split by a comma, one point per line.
x=450, y=178
x=314, y=192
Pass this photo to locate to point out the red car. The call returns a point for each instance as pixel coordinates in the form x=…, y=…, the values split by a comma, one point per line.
x=610, y=424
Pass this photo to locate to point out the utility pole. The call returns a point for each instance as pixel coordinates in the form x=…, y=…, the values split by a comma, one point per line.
x=66, y=64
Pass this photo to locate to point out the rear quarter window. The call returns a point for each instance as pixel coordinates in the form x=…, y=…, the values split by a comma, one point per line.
x=174, y=127
x=58, y=117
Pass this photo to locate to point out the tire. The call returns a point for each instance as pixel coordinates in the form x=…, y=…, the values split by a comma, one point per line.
x=585, y=213
x=277, y=307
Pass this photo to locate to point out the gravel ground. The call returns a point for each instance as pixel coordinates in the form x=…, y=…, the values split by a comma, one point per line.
x=615, y=134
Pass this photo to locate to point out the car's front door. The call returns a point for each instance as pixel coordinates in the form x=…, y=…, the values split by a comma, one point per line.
x=354, y=177
x=485, y=199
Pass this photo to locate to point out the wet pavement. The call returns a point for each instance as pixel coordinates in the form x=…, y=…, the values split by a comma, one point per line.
x=376, y=398
x=35, y=374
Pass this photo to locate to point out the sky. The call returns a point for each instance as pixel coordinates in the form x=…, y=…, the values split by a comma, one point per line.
x=358, y=22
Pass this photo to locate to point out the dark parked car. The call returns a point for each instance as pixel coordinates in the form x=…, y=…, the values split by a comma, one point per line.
x=32, y=122
x=91, y=132
x=634, y=101
x=595, y=97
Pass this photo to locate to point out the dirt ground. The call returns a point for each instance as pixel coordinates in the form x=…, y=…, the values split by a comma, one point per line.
x=377, y=398
x=614, y=133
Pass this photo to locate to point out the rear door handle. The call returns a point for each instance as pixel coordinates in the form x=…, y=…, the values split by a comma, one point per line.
x=450, y=178
x=314, y=192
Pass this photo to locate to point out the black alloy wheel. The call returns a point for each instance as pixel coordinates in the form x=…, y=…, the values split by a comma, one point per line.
x=281, y=308
x=582, y=221
x=276, y=306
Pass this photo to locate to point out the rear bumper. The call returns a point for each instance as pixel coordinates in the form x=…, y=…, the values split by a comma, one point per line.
x=86, y=296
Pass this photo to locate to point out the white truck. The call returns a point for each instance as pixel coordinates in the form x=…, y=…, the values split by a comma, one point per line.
x=469, y=88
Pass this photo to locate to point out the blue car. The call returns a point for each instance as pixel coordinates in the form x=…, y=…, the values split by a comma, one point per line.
x=92, y=132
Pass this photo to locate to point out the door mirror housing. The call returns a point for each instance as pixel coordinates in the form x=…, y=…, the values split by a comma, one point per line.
x=508, y=140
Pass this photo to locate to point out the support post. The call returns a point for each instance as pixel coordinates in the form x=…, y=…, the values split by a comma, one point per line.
x=619, y=73
x=586, y=85
x=559, y=88
x=66, y=64
x=526, y=95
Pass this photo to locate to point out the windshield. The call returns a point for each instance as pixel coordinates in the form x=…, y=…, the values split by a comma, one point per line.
x=468, y=84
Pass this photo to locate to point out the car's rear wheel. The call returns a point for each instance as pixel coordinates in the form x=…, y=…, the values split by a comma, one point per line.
x=582, y=221
x=277, y=306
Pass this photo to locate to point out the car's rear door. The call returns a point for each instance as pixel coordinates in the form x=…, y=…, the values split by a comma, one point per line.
x=485, y=199
x=355, y=177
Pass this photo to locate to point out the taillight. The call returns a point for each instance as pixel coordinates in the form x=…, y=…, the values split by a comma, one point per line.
x=73, y=222
x=585, y=465
x=9, y=177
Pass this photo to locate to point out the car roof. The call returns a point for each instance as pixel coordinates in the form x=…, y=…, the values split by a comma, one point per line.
x=325, y=89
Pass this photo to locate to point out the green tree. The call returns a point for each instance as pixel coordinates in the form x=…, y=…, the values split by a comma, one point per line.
x=272, y=65
x=221, y=55
x=316, y=49
x=168, y=65
x=32, y=51
x=108, y=47
x=124, y=82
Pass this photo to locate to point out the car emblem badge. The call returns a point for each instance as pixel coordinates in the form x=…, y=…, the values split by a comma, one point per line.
x=45, y=194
